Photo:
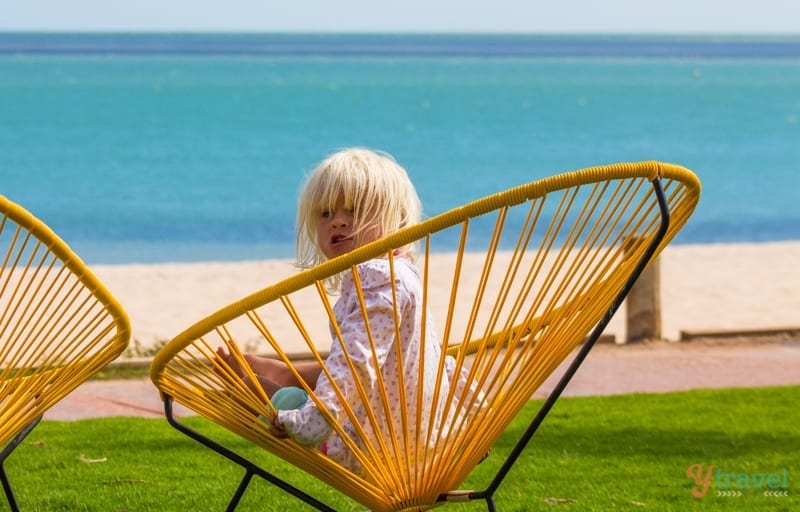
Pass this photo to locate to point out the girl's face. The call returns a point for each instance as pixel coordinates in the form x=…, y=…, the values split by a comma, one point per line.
x=335, y=228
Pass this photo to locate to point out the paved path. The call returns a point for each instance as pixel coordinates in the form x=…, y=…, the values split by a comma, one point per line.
x=609, y=369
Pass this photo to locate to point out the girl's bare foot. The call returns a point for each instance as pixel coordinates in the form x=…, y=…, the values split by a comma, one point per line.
x=261, y=366
x=231, y=362
x=264, y=365
x=273, y=370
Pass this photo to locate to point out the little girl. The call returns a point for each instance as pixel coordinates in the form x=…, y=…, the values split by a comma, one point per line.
x=352, y=198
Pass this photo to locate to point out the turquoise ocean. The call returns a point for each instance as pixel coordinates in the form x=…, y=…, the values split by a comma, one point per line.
x=141, y=148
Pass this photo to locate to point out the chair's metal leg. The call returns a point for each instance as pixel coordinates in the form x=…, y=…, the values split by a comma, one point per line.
x=491, y=489
x=237, y=496
x=16, y=441
x=12, y=501
x=250, y=468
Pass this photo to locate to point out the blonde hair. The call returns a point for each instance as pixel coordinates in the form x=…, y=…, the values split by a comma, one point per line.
x=373, y=184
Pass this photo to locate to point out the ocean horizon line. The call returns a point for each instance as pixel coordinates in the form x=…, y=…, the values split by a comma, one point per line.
x=401, y=44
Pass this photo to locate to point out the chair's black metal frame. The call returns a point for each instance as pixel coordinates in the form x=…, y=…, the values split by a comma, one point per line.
x=7, y=450
x=487, y=494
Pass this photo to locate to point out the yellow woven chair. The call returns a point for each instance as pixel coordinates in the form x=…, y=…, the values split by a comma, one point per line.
x=564, y=252
x=58, y=326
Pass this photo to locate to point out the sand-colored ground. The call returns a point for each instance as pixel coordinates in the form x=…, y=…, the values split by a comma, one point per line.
x=724, y=287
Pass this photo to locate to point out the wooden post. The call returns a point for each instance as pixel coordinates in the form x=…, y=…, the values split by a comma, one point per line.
x=644, y=306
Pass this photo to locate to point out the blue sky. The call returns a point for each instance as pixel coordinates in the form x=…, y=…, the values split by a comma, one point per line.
x=524, y=16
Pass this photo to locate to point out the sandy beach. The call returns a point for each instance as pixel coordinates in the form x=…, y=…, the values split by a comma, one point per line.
x=704, y=288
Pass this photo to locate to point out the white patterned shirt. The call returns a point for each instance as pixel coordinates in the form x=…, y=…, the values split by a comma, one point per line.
x=307, y=425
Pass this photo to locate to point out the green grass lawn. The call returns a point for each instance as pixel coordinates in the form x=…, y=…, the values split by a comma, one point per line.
x=627, y=452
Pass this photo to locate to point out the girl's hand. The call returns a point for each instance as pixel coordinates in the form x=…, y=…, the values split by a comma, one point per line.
x=277, y=428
